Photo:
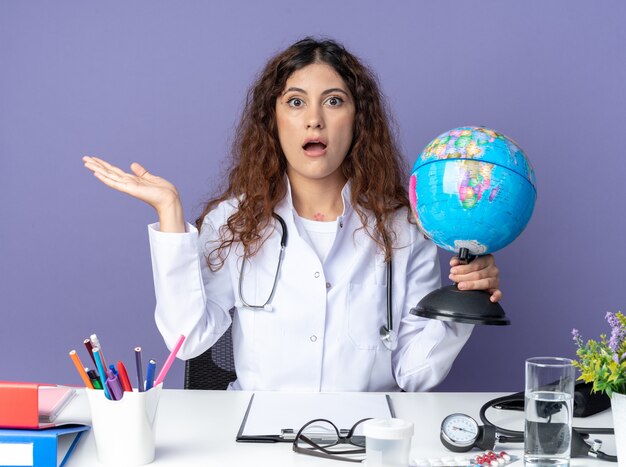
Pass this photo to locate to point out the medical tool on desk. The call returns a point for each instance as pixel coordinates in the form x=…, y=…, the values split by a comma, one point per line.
x=388, y=335
x=461, y=433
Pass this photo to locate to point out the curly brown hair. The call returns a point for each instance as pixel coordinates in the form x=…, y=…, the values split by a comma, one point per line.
x=258, y=166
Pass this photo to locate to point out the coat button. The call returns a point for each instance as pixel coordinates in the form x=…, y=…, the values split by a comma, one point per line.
x=316, y=275
x=328, y=286
x=313, y=338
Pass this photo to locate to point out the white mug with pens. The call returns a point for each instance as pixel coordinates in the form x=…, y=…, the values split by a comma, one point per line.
x=124, y=420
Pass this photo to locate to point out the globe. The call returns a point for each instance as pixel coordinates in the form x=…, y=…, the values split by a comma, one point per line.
x=472, y=188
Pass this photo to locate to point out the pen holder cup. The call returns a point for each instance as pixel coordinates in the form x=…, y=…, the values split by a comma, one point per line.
x=125, y=429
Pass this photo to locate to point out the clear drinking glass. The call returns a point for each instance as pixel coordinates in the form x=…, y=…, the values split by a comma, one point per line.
x=548, y=411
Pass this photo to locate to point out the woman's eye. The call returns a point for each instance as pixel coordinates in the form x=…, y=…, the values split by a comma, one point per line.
x=295, y=102
x=334, y=101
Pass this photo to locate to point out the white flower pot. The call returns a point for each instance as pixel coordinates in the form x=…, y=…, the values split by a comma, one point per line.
x=618, y=407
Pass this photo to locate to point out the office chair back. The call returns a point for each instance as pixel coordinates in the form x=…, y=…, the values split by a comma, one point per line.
x=215, y=368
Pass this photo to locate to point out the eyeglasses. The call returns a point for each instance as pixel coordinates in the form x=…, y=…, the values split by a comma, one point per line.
x=322, y=438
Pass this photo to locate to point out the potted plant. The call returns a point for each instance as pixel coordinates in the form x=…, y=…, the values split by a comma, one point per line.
x=603, y=363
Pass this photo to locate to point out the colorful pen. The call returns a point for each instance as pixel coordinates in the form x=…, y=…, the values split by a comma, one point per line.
x=81, y=370
x=169, y=361
x=93, y=376
x=140, y=387
x=114, y=386
x=150, y=374
x=89, y=347
x=123, y=376
x=96, y=343
x=102, y=373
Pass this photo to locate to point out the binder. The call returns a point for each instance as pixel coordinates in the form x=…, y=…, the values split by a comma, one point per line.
x=32, y=405
x=50, y=447
x=273, y=417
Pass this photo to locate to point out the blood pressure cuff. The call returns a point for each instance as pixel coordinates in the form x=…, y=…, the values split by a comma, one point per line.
x=586, y=402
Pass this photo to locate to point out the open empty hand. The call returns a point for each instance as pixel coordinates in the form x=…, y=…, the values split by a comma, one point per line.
x=141, y=184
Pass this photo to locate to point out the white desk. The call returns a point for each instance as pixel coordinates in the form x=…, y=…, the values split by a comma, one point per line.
x=198, y=428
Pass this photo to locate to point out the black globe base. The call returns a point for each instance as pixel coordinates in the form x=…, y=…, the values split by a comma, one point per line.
x=462, y=306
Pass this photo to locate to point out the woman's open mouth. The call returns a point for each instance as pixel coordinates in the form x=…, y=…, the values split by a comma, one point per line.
x=314, y=148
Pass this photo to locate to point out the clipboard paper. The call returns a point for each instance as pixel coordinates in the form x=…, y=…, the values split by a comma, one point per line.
x=277, y=416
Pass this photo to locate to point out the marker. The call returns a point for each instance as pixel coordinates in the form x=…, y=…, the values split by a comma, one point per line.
x=114, y=386
x=81, y=370
x=169, y=361
x=123, y=376
x=100, y=365
x=150, y=374
x=96, y=343
x=93, y=376
x=140, y=387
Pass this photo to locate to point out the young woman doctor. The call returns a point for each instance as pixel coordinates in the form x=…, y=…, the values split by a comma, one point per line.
x=314, y=166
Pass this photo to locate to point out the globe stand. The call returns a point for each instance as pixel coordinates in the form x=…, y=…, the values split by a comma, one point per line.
x=463, y=306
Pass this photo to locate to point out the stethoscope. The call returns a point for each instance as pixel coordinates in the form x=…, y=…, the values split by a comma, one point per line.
x=461, y=433
x=388, y=335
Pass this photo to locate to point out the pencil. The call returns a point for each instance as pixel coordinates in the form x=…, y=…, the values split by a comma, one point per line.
x=96, y=343
x=140, y=387
x=89, y=348
x=101, y=371
x=81, y=370
x=169, y=361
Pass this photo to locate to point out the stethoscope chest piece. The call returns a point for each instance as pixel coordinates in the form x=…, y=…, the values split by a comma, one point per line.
x=388, y=337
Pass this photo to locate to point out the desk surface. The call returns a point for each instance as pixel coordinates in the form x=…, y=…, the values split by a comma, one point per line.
x=199, y=428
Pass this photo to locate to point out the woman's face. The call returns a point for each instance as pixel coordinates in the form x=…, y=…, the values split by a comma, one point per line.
x=315, y=119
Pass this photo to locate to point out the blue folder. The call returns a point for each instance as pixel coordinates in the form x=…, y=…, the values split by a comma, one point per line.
x=41, y=447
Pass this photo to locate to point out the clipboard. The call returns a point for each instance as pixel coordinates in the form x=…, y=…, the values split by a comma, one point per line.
x=273, y=417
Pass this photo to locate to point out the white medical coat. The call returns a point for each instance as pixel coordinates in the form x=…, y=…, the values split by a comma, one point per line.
x=321, y=333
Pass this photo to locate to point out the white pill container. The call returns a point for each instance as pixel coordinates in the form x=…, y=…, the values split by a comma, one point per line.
x=387, y=442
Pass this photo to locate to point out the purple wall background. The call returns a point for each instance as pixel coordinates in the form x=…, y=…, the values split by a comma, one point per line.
x=163, y=82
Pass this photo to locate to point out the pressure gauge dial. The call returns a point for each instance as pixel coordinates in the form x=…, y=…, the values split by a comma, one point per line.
x=459, y=432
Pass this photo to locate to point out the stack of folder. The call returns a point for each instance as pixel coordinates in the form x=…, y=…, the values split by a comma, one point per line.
x=28, y=432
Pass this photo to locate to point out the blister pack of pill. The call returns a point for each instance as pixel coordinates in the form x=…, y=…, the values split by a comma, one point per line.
x=486, y=459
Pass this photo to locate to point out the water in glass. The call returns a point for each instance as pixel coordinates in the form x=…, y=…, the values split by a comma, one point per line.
x=548, y=431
